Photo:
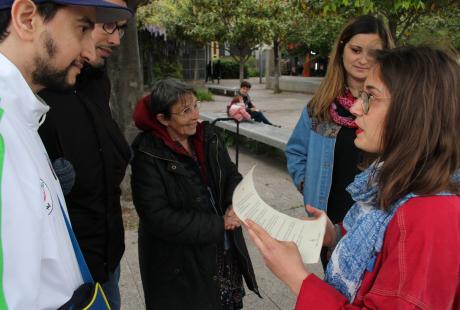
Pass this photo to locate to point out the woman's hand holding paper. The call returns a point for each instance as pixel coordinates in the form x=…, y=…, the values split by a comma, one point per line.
x=329, y=235
x=281, y=257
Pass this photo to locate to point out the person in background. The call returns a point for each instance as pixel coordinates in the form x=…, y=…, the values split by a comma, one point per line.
x=209, y=75
x=237, y=110
x=82, y=133
x=42, y=44
x=321, y=157
x=400, y=250
x=192, y=253
x=255, y=113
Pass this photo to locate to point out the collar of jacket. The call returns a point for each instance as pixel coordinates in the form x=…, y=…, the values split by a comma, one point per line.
x=16, y=96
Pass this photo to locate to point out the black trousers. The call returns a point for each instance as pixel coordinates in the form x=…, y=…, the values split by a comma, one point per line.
x=259, y=117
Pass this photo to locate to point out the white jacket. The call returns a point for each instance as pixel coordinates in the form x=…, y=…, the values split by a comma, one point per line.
x=39, y=267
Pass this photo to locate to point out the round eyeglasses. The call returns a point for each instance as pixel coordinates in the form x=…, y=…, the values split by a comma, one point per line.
x=366, y=98
x=188, y=111
x=110, y=28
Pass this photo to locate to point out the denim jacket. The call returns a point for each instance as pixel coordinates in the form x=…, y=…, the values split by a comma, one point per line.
x=310, y=158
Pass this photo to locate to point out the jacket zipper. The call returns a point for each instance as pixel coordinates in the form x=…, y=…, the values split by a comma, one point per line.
x=213, y=203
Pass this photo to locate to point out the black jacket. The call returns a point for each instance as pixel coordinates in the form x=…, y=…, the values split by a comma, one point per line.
x=79, y=127
x=179, y=230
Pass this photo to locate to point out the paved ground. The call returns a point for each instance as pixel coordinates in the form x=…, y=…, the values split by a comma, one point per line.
x=274, y=186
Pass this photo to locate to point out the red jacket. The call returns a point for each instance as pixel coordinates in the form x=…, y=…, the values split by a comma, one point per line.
x=418, y=267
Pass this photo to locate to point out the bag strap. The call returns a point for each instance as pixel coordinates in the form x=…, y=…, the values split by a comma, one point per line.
x=85, y=273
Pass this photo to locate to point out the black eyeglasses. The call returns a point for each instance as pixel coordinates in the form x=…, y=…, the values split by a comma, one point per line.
x=110, y=28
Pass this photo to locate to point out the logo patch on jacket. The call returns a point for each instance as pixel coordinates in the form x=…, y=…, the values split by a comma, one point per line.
x=47, y=197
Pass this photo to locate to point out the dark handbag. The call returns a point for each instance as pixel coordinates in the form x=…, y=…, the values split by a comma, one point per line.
x=90, y=295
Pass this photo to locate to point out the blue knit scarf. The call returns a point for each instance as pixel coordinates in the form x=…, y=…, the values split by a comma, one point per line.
x=356, y=252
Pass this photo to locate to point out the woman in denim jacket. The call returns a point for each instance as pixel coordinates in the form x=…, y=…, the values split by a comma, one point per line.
x=321, y=156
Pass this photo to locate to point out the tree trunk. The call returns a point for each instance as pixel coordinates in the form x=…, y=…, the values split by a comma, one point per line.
x=260, y=63
x=269, y=64
x=196, y=66
x=276, y=84
x=124, y=69
x=125, y=72
x=393, y=25
x=241, y=59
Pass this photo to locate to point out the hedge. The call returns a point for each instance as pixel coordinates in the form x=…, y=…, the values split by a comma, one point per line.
x=230, y=69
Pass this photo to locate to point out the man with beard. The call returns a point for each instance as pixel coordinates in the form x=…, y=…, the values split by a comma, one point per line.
x=41, y=45
x=90, y=155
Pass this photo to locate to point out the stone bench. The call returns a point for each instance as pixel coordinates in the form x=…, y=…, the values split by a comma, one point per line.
x=266, y=134
x=223, y=90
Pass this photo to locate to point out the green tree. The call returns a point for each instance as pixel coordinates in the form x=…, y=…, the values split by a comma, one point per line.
x=401, y=15
x=283, y=17
x=293, y=21
x=319, y=32
x=240, y=24
x=441, y=29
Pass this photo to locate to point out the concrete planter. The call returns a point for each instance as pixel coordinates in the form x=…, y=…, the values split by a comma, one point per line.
x=296, y=83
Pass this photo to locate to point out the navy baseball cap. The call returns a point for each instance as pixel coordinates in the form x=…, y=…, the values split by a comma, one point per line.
x=106, y=12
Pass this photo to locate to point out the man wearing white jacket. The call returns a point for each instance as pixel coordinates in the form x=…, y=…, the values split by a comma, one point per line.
x=41, y=45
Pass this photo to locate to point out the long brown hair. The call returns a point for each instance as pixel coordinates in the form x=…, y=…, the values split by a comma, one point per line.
x=421, y=135
x=334, y=82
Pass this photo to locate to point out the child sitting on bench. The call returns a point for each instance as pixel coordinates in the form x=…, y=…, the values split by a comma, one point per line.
x=237, y=109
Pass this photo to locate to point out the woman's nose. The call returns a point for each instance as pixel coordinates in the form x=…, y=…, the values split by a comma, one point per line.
x=364, y=59
x=196, y=114
x=357, y=107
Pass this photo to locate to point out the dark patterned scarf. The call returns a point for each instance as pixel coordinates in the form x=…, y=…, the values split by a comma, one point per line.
x=346, y=101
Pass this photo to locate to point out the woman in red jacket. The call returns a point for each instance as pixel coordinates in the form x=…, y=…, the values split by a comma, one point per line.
x=400, y=248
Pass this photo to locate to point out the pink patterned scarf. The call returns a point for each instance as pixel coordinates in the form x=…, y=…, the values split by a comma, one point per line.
x=346, y=101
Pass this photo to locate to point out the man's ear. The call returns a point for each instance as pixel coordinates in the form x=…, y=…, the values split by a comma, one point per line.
x=162, y=119
x=25, y=19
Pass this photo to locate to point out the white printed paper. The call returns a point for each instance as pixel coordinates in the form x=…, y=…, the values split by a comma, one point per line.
x=307, y=234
